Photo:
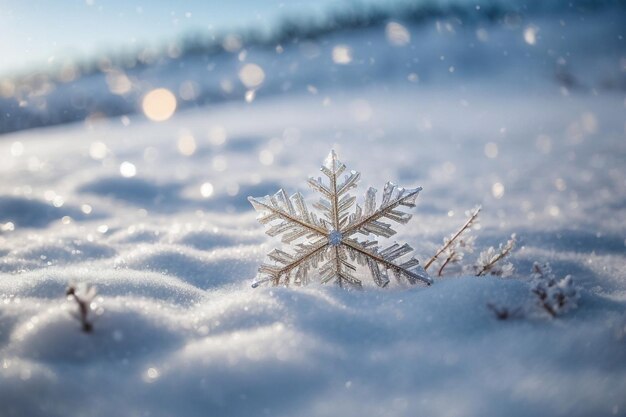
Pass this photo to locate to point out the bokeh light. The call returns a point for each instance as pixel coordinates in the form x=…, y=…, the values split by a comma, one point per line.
x=342, y=54
x=159, y=104
x=128, y=169
x=397, y=34
x=251, y=75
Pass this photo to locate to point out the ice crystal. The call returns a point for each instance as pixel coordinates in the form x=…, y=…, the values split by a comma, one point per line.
x=328, y=242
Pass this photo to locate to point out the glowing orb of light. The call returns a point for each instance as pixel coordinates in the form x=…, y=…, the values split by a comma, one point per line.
x=397, y=34
x=342, y=54
x=159, y=104
x=251, y=75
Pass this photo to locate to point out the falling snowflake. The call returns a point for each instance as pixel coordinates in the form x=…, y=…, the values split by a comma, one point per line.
x=328, y=242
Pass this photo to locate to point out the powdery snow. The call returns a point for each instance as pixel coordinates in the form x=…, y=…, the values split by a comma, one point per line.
x=180, y=330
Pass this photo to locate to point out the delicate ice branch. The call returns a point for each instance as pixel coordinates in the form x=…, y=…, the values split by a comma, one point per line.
x=488, y=260
x=555, y=296
x=454, y=246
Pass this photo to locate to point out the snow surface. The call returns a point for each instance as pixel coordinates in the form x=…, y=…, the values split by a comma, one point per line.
x=180, y=330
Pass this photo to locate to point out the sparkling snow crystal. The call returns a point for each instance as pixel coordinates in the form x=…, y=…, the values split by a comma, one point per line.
x=328, y=242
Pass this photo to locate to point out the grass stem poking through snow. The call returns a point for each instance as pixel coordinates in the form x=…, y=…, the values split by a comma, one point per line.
x=555, y=295
x=83, y=296
x=454, y=246
x=487, y=262
x=505, y=313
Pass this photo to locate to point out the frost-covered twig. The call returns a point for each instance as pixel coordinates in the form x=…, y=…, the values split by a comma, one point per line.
x=504, y=313
x=455, y=245
x=555, y=295
x=487, y=262
x=83, y=295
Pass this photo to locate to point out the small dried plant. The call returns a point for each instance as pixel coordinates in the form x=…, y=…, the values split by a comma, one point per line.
x=505, y=313
x=456, y=245
x=555, y=296
x=489, y=260
x=83, y=295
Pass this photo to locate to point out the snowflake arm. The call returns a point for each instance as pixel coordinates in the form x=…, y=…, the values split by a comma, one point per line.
x=367, y=220
x=286, y=265
x=293, y=215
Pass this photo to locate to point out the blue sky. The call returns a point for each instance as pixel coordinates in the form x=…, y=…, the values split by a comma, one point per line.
x=45, y=32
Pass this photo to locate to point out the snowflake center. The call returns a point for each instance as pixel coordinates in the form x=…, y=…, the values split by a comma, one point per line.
x=334, y=237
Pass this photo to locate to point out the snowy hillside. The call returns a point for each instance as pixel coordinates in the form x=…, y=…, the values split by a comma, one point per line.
x=575, y=45
x=155, y=216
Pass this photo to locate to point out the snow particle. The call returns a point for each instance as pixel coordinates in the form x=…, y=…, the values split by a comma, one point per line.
x=232, y=43
x=17, y=149
x=118, y=82
x=589, y=122
x=232, y=189
x=86, y=208
x=251, y=75
x=497, y=190
x=25, y=374
x=151, y=374
x=186, y=144
x=544, y=143
x=491, y=150
x=361, y=110
x=118, y=336
x=266, y=157
x=530, y=35
x=227, y=85
x=189, y=90
x=553, y=211
x=342, y=54
x=413, y=77
x=127, y=169
x=560, y=185
x=98, y=150
x=159, y=104
x=250, y=96
x=397, y=34
x=206, y=190
x=219, y=163
x=7, y=227
x=482, y=35
x=217, y=135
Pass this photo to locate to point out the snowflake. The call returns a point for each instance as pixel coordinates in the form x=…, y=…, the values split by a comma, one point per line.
x=328, y=242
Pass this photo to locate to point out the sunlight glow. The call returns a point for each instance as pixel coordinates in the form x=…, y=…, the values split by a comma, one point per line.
x=159, y=104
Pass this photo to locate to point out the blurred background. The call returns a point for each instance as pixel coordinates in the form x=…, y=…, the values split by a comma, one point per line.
x=79, y=60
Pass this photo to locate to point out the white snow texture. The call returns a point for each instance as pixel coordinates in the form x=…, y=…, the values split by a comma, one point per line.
x=173, y=246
